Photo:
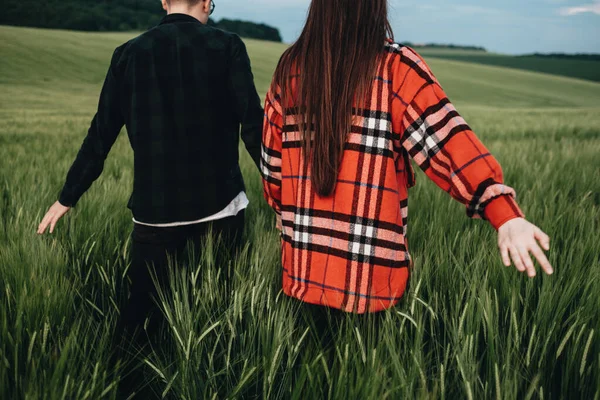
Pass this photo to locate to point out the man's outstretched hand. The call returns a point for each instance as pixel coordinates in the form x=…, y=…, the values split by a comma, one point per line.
x=54, y=214
x=518, y=239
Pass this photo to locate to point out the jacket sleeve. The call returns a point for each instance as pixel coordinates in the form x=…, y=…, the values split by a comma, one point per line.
x=247, y=105
x=439, y=140
x=103, y=133
x=271, y=152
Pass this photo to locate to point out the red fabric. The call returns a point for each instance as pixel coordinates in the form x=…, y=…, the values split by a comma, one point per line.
x=349, y=250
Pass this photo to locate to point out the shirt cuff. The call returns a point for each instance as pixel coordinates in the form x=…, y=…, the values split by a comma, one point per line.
x=67, y=200
x=502, y=209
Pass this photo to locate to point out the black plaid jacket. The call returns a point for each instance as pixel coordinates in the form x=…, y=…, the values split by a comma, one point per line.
x=182, y=89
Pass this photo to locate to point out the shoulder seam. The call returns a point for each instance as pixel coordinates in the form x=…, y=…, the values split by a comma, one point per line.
x=424, y=73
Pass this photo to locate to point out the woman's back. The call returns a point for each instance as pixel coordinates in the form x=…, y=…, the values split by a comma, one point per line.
x=349, y=250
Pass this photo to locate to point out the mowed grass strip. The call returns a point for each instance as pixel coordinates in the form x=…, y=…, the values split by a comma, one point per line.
x=467, y=328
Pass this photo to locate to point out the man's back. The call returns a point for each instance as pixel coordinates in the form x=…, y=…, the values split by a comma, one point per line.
x=182, y=89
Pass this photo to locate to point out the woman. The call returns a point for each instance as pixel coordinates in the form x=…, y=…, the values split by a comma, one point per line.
x=346, y=111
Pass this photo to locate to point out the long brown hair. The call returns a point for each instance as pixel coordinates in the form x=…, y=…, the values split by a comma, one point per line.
x=335, y=61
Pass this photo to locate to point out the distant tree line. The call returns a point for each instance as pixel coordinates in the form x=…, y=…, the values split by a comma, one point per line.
x=579, y=56
x=445, y=46
x=249, y=29
x=109, y=15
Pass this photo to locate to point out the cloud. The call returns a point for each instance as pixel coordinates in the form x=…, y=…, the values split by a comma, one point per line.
x=587, y=8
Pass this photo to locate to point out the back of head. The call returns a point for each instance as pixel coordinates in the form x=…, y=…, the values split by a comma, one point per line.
x=189, y=3
x=199, y=9
x=335, y=60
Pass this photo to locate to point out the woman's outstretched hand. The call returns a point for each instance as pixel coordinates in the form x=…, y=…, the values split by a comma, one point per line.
x=54, y=214
x=519, y=238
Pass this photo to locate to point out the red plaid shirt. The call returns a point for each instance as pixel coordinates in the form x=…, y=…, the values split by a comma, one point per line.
x=349, y=250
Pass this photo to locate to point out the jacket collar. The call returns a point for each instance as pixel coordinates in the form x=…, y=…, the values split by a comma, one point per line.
x=176, y=18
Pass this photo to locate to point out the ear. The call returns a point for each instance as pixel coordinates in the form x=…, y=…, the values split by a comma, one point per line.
x=165, y=6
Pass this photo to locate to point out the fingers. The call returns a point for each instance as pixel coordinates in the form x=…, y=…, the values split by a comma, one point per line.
x=527, y=261
x=519, y=243
x=55, y=218
x=53, y=223
x=522, y=260
x=516, y=258
x=54, y=214
x=542, y=238
x=44, y=224
x=505, y=255
x=542, y=259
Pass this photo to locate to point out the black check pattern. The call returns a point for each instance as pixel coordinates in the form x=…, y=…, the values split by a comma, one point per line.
x=182, y=89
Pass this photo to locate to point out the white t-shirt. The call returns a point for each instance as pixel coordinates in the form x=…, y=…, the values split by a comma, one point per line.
x=238, y=204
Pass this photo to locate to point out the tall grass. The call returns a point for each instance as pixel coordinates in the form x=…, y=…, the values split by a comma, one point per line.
x=467, y=328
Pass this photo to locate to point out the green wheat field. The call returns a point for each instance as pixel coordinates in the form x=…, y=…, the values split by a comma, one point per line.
x=468, y=328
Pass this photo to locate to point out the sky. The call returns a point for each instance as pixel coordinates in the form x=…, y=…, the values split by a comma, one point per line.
x=503, y=26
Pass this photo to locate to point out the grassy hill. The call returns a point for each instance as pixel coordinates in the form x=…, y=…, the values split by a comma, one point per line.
x=64, y=70
x=64, y=60
x=467, y=328
x=110, y=16
x=75, y=63
x=574, y=68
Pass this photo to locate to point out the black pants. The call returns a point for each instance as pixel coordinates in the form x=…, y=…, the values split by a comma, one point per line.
x=158, y=249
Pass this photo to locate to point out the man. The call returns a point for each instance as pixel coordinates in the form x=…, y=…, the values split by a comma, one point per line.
x=182, y=89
